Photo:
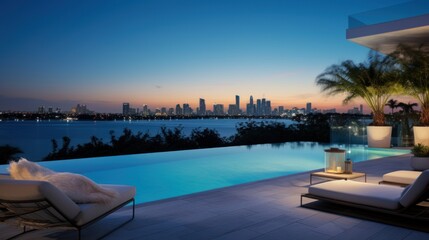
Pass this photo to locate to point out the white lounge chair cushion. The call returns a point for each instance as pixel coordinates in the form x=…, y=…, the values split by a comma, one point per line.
x=28, y=190
x=416, y=190
x=383, y=196
x=90, y=211
x=403, y=176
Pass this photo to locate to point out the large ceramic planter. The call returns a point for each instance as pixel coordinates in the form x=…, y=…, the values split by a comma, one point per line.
x=419, y=163
x=421, y=135
x=379, y=136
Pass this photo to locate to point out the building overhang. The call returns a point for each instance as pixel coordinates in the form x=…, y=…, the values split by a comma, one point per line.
x=384, y=37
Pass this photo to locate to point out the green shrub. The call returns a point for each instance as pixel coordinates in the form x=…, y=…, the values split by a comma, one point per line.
x=420, y=150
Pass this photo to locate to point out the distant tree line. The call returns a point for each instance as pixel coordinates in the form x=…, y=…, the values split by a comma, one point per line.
x=309, y=128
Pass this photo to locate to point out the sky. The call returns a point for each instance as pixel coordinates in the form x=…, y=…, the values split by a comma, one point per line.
x=165, y=52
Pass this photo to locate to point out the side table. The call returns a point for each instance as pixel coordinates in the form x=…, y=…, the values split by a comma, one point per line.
x=336, y=175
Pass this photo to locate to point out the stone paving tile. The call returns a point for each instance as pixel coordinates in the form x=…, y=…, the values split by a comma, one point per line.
x=319, y=219
x=415, y=235
x=243, y=234
x=272, y=224
x=391, y=233
x=294, y=231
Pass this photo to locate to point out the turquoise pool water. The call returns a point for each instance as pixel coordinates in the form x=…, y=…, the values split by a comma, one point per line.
x=169, y=174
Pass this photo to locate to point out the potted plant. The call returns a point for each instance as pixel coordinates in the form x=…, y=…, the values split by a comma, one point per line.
x=420, y=160
x=414, y=64
x=374, y=80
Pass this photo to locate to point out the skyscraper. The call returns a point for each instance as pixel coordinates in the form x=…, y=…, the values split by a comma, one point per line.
x=179, y=110
x=218, y=109
x=250, y=108
x=126, y=109
x=202, y=110
x=308, y=108
x=263, y=106
x=258, y=107
x=145, y=110
x=187, y=110
x=268, y=107
x=237, y=104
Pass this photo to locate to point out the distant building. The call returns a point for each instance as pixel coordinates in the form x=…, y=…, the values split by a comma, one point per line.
x=218, y=110
x=81, y=109
x=179, y=110
x=361, y=109
x=258, y=107
x=126, y=109
x=281, y=110
x=145, y=111
x=308, y=109
x=237, y=104
x=332, y=110
x=354, y=110
x=232, y=110
x=267, y=108
x=170, y=112
x=41, y=109
x=202, y=108
x=163, y=111
x=250, y=107
x=187, y=110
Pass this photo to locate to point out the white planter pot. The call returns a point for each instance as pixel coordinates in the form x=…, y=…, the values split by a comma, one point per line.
x=379, y=136
x=419, y=163
x=421, y=135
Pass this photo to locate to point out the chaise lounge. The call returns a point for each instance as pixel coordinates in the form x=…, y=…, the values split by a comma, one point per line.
x=381, y=198
x=38, y=204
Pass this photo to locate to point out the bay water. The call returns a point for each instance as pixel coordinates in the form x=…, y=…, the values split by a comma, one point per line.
x=34, y=137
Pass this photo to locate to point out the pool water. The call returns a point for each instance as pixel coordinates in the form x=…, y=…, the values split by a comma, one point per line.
x=169, y=174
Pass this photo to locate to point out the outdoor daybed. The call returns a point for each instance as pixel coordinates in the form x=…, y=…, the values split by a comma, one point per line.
x=381, y=198
x=38, y=204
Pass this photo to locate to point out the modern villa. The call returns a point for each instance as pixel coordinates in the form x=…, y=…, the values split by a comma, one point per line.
x=269, y=207
x=383, y=29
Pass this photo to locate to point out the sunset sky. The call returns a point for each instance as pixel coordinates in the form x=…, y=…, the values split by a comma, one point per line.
x=164, y=52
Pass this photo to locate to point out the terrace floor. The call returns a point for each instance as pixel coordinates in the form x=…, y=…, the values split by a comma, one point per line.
x=264, y=210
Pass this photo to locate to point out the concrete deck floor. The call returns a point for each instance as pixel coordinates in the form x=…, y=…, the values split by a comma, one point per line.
x=264, y=210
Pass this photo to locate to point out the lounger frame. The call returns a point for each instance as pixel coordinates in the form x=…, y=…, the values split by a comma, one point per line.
x=61, y=220
x=414, y=212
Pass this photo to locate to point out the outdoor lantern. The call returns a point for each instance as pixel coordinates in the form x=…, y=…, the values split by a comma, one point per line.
x=335, y=160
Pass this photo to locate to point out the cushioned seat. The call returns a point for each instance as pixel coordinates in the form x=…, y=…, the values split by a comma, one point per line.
x=90, y=211
x=383, y=198
x=359, y=193
x=402, y=177
x=39, y=204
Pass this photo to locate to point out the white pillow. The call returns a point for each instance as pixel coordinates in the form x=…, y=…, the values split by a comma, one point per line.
x=79, y=188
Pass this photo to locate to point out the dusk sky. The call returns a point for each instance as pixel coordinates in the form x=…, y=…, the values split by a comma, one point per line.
x=164, y=52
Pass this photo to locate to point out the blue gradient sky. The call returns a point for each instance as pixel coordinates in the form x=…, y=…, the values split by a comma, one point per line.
x=103, y=53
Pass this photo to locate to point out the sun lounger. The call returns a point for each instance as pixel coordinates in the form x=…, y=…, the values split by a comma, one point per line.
x=381, y=198
x=38, y=204
x=401, y=178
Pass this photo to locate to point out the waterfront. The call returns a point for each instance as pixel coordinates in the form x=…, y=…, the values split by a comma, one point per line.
x=34, y=137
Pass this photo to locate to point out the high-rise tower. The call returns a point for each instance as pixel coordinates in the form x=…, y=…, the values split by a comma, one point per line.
x=202, y=107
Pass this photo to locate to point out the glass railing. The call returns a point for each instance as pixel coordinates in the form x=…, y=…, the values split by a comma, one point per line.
x=349, y=130
x=396, y=12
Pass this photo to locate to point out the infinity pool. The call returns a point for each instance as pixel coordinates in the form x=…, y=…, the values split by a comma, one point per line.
x=169, y=174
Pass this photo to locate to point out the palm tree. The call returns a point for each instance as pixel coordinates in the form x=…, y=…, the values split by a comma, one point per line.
x=374, y=80
x=392, y=104
x=407, y=107
x=415, y=76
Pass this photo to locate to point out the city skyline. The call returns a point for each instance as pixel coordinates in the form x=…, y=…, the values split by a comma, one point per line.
x=104, y=53
x=260, y=107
